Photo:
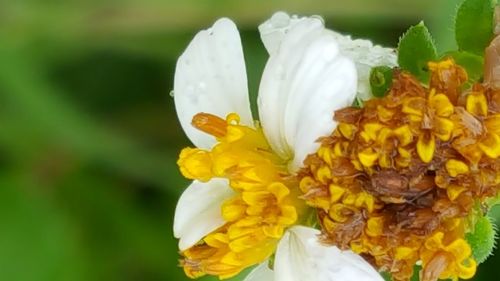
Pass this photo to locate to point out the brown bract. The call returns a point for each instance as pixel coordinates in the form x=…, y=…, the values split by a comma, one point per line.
x=492, y=64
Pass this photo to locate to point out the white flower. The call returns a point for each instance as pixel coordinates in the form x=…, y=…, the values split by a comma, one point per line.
x=305, y=80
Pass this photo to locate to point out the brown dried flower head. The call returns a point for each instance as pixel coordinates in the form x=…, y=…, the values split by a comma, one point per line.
x=399, y=180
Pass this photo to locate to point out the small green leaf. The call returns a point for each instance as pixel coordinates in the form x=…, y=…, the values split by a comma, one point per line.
x=416, y=273
x=482, y=239
x=416, y=48
x=358, y=103
x=472, y=63
x=380, y=80
x=474, y=25
x=386, y=276
x=270, y=264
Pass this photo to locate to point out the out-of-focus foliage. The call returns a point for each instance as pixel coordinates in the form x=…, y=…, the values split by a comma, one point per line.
x=88, y=132
x=474, y=25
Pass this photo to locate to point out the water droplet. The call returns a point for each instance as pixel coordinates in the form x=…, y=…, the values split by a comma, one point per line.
x=319, y=18
x=171, y=93
x=280, y=20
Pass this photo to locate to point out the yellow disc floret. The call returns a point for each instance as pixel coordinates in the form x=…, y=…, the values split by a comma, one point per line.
x=446, y=261
x=264, y=205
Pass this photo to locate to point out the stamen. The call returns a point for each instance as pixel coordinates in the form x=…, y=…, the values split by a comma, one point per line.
x=210, y=124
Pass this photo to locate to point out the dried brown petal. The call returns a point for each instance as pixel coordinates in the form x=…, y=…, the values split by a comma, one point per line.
x=435, y=267
x=419, y=221
x=342, y=167
x=388, y=183
x=492, y=64
x=350, y=230
x=350, y=115
x=471, y=123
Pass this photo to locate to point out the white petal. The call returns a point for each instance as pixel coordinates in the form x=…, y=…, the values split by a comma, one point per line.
x=198, y=211
x=273, y=30
x=305, y=80
x=300, y=257
x=261, y=273
x=210, y=77
x=365, y=55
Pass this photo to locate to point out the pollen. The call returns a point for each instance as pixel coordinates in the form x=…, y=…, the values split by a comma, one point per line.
x=264, y=205
x=413, y=169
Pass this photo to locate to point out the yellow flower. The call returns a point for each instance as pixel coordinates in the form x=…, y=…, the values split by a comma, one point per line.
x=430, y=116
x=480, y=128
x=446, y=261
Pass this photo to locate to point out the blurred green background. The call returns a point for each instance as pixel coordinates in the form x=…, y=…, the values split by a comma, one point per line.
x=88, y=131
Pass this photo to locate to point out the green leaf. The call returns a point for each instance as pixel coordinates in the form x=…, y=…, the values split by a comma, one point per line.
x=380, y=80
x=474, y=25
x=416, y=273
x=386, y=276
x=472, y=63
x=416, y=48
x=482, y=239
x=358, y=103
x=491, y=202
x=38, y=241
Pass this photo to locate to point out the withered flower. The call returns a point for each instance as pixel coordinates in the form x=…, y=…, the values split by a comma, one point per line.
x=398, y=180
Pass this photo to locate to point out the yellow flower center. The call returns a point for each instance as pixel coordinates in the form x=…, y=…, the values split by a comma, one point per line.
x=264, y=205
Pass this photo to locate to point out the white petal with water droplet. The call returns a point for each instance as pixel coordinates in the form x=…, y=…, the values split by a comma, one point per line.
x=305, y=80
x=277, y=77
x=210, y=77
x=274, y=30
x=366, y=56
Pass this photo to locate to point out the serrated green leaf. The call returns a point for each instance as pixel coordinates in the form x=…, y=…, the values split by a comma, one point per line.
x=482, y=239
x=380, y=80
x=474, y=25
x=472, y=63
x=416, y=48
